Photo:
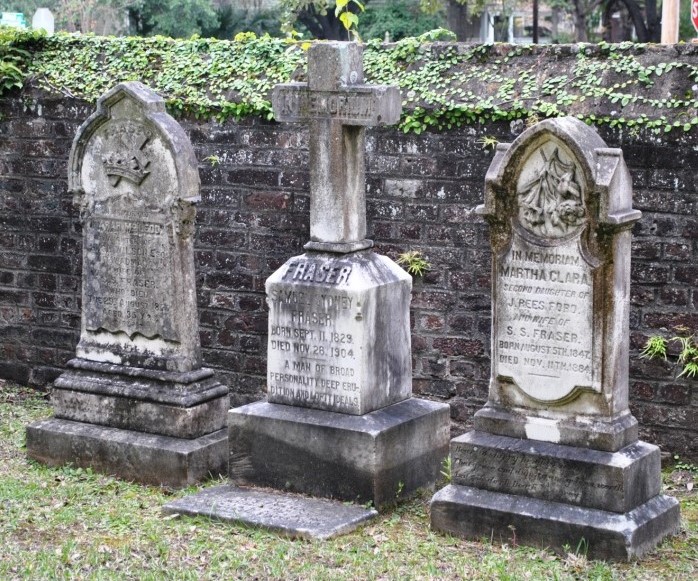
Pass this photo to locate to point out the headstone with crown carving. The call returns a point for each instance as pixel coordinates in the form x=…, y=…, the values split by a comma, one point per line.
x=136, y=402
x=555, y=459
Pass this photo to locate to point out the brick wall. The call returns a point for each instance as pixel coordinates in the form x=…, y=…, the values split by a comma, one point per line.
x=253, y=215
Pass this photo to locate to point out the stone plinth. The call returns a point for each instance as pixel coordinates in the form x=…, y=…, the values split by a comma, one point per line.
x=339, y=333
x=185, y=405
x=128, y=454
x=378, y=457
x=555, y=458
x=136, y=402
x=475, y=514
x=612, y=481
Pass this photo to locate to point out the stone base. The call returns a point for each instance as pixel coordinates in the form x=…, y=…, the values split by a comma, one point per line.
x=291, y=515
x=597, y=434
x=378, y=457
x=473, y=513
x=135, y=456
x=180, y=405
x=612, y=481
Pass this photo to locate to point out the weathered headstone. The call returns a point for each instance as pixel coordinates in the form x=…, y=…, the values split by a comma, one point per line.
x=555, y=454
x=339, y=355
x=135, y=401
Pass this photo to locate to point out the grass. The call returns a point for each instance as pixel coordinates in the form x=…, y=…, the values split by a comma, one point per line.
x=71, y=523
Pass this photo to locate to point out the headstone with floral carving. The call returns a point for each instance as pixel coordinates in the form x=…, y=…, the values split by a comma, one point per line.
x=555, y=458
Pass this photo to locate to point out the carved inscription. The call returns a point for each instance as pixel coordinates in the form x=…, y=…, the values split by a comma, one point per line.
x=128, y=265
x=493, y=469
x=314, y=337
x=298, y=103
x=543, y=331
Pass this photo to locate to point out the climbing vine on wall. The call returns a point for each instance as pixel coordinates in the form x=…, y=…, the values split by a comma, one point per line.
x=448, y=84
x=444, y=84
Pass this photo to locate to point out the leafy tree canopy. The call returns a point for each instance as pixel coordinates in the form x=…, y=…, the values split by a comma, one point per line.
x=401, y=18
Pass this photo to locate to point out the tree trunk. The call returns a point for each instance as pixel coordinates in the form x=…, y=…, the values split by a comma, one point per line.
x=323, y=27
x=580, y=22
x=654, y=23
x=457, y=19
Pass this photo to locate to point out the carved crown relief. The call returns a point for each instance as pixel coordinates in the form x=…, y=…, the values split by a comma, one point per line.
x=549, y=193
x=129, y=161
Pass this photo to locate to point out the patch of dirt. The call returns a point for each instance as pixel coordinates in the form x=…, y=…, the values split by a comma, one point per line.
x=13, y=393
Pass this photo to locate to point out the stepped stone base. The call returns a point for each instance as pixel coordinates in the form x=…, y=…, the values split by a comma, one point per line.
x=181, y=405
x=613, y=481
x=136, y=456
x=149, y=426
x=473, y=513
x=378, y=457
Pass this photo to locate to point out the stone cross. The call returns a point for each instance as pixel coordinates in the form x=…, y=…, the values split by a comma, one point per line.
x=338, y=107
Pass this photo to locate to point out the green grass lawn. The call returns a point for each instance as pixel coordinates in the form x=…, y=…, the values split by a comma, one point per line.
x=71, y=523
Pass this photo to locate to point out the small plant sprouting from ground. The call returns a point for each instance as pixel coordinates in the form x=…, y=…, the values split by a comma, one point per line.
x=214, y=160
x=447, y=469
x=656, y=347
x=400, y=489
x=413, y=262
x=683, y=465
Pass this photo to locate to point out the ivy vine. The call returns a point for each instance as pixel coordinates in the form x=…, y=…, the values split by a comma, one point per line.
x=447, y=84
x=444, y=84
x=13, y=56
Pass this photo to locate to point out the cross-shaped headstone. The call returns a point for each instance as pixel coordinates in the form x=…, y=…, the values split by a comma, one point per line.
x=338, y=107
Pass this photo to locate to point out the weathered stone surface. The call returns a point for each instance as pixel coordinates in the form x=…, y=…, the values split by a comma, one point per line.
x=475, y=514
x=135, y=402
x=180, y=389
x=555, y=458
x=289, y=514
x=610, y=481
x=375, y=457
x=581, y=431
x=41, y=243
x=339, y=328
x=165, y=403
x=339, y=333
x=136, y=456
x=559, y=203
x=338, y=107
x=134, y=174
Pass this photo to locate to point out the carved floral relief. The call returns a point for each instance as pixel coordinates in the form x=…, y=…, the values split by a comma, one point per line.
x=550, y=194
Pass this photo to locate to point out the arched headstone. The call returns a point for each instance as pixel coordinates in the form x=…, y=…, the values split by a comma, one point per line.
x=136, y=396
x=555, y=453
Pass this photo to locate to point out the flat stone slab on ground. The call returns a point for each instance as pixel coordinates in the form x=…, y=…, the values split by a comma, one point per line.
x=290, y=514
